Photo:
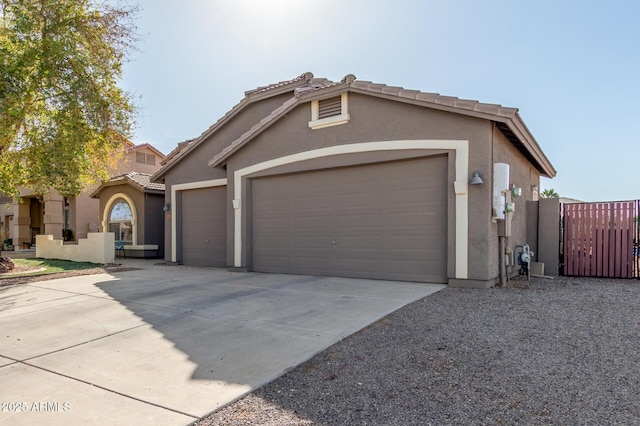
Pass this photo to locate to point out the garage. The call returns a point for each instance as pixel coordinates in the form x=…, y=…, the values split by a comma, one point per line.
x=381, y=221
x=204, y=227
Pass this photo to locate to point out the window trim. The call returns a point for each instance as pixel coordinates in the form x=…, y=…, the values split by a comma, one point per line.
x=121, y=221
x=336, y=120
x=106, y=215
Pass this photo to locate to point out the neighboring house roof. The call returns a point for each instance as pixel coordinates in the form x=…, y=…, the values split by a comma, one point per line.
x=251, y=96
x=567, y=200
x=306, y=88
x=140, y=181
x=146, y=146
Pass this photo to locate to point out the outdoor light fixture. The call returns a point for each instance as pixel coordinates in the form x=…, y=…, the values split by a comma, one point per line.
x=476, y=179
x=534, y=188
x=166, y=207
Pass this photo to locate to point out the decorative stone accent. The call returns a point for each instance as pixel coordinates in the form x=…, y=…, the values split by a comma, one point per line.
x=6, y=264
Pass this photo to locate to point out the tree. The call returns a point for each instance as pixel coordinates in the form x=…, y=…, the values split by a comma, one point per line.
x=63, y=118
x=549, y=193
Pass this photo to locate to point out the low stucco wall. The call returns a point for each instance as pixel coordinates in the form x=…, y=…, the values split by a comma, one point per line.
x=98, y=247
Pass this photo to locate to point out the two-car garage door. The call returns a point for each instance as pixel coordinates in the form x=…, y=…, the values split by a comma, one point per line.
x=384, y=221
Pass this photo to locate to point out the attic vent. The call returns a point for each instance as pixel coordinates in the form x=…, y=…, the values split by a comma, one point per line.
x=329, y=112
x=329, y=107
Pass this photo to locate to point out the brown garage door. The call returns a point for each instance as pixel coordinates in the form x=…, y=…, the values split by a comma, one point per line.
x=383, y=221
x=204, y=227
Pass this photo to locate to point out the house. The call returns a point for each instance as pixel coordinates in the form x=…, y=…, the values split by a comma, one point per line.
x=132, y=208
x=352, y=179
x=34, y=215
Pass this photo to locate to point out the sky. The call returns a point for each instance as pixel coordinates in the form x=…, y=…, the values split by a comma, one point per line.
x=572, y=68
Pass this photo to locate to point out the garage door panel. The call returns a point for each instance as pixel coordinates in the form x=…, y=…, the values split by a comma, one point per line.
x=363, y=243
x=349, y=221
x=312, y=222
x=322, y=242
x=203, y=219
x=310, y=202
x=388, y=221
x=312, y=262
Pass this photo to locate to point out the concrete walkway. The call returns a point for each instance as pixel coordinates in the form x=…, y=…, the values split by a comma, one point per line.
x=169, y=344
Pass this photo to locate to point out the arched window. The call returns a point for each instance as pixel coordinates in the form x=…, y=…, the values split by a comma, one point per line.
x=121, y=221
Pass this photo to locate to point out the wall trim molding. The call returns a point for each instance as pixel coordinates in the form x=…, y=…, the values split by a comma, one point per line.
x=184, y=187
x=461, y=148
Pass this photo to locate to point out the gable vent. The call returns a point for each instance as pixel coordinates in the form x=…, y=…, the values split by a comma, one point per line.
x=329, y=107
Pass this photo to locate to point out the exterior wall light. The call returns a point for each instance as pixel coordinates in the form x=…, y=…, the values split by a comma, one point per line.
x=167, y=207
x=476, y=179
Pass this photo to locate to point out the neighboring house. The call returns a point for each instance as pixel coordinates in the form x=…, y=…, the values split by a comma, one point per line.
x=51, y=214
x=567, y=200
x=132, y=208
x=352, y=179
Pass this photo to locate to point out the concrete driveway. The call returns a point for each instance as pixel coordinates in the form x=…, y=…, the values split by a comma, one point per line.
x=169, y=344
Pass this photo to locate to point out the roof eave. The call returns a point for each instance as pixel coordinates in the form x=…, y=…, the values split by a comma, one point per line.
x=517, y=126
x=221, y=158
x=508, y=116
x=249, y=98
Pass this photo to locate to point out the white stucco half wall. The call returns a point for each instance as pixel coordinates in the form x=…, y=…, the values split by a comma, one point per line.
x=98, y=247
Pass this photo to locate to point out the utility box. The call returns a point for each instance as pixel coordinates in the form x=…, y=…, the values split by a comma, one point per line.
x=504, y=226
x=537, y=268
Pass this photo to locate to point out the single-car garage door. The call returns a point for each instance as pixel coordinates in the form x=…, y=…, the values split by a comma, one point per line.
x=382, y=221
x=204, y=227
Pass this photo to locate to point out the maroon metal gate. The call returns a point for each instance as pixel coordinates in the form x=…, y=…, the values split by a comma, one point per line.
x=600, y=239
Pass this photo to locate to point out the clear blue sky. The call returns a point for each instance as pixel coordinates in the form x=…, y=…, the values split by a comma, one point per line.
x=571, y=67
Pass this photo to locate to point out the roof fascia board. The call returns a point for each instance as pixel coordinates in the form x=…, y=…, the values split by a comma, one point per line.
x=248, y=99
x=252, y=133
x=521, y=131
x=126, y=181
x=514, y=122
x=441, y=107
x=150, y=147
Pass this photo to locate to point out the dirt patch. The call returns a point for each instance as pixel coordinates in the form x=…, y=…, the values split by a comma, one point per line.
x=8, y=279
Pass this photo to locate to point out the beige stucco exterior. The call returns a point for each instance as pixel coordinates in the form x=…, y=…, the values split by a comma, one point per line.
x=33, y=215
x=96, y=248
x=148, y=220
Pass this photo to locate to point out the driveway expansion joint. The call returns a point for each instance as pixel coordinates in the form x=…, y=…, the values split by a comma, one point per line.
x=100, y=387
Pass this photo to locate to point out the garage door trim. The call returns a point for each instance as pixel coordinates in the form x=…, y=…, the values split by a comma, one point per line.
x=183, y=187
x=461, y=148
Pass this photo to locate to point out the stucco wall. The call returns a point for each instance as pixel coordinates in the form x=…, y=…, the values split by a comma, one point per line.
x=521, y=174
x=371, y=121
x=149, y=225
x=549, y=235
x=194, y=167
x=138, y=198
x=154, y=221
x=128, y=163
x=85, y=214
x=96, y=248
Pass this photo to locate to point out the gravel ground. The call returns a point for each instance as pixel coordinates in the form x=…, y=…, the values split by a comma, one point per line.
x=563, y=351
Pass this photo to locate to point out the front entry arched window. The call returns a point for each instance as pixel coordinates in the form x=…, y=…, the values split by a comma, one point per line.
x=121, y=221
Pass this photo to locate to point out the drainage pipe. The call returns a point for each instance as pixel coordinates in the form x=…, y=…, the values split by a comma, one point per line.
x=501, y=262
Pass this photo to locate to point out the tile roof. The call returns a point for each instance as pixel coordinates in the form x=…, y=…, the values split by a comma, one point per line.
x=433, y=98
x=302, y=77
x=306, y=87
x=138, y=180
x=508, y=119
x=148, y=146
x=250, y=96
x=181, y=145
